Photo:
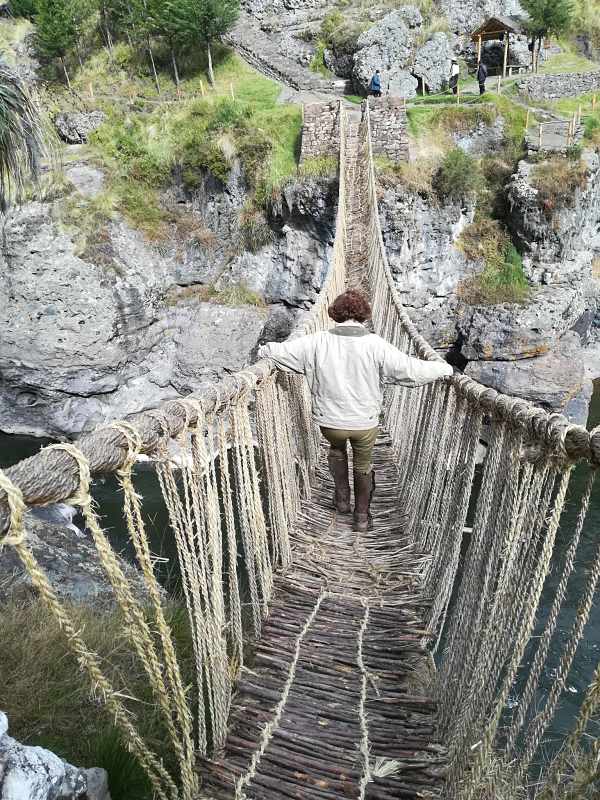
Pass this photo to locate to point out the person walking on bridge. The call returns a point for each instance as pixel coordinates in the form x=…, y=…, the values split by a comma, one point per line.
x=345, y=368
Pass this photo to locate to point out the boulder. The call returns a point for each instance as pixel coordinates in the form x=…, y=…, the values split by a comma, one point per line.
x=559, y=246
x=411, y=16
x=388, y=46
x=553, y=381
x=514, y=332
x=33, y=773
x=481, y=140
x=433, y=61
x=464, y=17
x=68, y=557
x=75, y=127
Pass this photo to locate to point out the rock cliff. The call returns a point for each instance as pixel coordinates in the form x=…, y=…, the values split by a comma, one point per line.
x=117, y=326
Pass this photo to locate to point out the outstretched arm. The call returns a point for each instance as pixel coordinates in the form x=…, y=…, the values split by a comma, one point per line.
x=290, y=356
x=404, y=370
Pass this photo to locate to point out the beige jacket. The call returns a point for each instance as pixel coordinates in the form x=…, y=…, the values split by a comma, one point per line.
x=345, y=369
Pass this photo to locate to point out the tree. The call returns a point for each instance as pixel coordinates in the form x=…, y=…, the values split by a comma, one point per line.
x=22, y=138
x=203, y=21
x=215, y=19
x=547, y=17
x=57, y=30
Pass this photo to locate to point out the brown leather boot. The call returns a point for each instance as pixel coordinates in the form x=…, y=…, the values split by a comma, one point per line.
x=364, y=487
x=338, y=466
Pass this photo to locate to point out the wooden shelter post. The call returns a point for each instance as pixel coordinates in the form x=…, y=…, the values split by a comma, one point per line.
x=479, y=46
x=506, y=45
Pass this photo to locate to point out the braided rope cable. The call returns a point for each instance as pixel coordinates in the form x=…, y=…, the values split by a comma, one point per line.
x=485, y=750
x=180, y=721
x=365, y=749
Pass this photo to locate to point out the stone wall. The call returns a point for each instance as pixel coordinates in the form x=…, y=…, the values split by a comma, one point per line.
x=551, y=87
x=320, y=130
x=389, y=133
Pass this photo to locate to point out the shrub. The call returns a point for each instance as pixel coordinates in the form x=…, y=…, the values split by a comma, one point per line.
x=341, y=33
x=254, y=150
x=23, y=8
x=415, y=176
x=591, y=131
x=317, y=63
x=459, y=176
x=574, y=152
x=556, y=181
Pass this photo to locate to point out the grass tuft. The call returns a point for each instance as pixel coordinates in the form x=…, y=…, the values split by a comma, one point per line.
x=319, y=167
x=502, y=279
x=556, y=181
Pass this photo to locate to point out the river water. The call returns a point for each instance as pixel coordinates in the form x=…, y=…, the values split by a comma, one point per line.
x=106, y=492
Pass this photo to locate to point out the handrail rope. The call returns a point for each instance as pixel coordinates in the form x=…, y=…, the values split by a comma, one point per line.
x=553, y=431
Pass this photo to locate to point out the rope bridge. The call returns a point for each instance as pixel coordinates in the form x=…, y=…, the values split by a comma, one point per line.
x=339, y=696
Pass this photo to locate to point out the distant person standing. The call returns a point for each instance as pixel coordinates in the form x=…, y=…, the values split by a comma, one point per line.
x=375, y=84
x=482, y=73
x=454, y=76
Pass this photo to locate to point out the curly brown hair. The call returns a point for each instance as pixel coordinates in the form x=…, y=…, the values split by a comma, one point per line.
x=350, y=305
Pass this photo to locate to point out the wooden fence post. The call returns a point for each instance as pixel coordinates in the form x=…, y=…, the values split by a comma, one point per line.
x=231, y=90
x=594, y=103
x=201, y=88
x=527, y=121
x=91, y=91
x=540, y=138
x=499, y=82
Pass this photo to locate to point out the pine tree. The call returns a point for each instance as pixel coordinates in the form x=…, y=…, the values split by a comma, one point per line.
x=57, y=30
x=548, y=17
x=202, y=21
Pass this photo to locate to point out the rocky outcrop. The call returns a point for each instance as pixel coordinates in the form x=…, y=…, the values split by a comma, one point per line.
x=32, y=773
x=556, y=381
x=394, y=45
x=559, y=243
x=99, y=330
x=75, y=127
x=70, y=560
x=419, y=239
x=433, y=61
x=514, y=332
x=386, y=46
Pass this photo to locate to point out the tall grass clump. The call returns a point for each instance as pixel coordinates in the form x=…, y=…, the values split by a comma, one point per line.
x=50, y=703
x=556, y=181
x=502, y=279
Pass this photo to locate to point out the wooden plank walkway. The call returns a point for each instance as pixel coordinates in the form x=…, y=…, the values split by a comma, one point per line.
x=339, y=670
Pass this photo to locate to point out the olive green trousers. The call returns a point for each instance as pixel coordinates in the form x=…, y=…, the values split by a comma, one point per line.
x=362, y=443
